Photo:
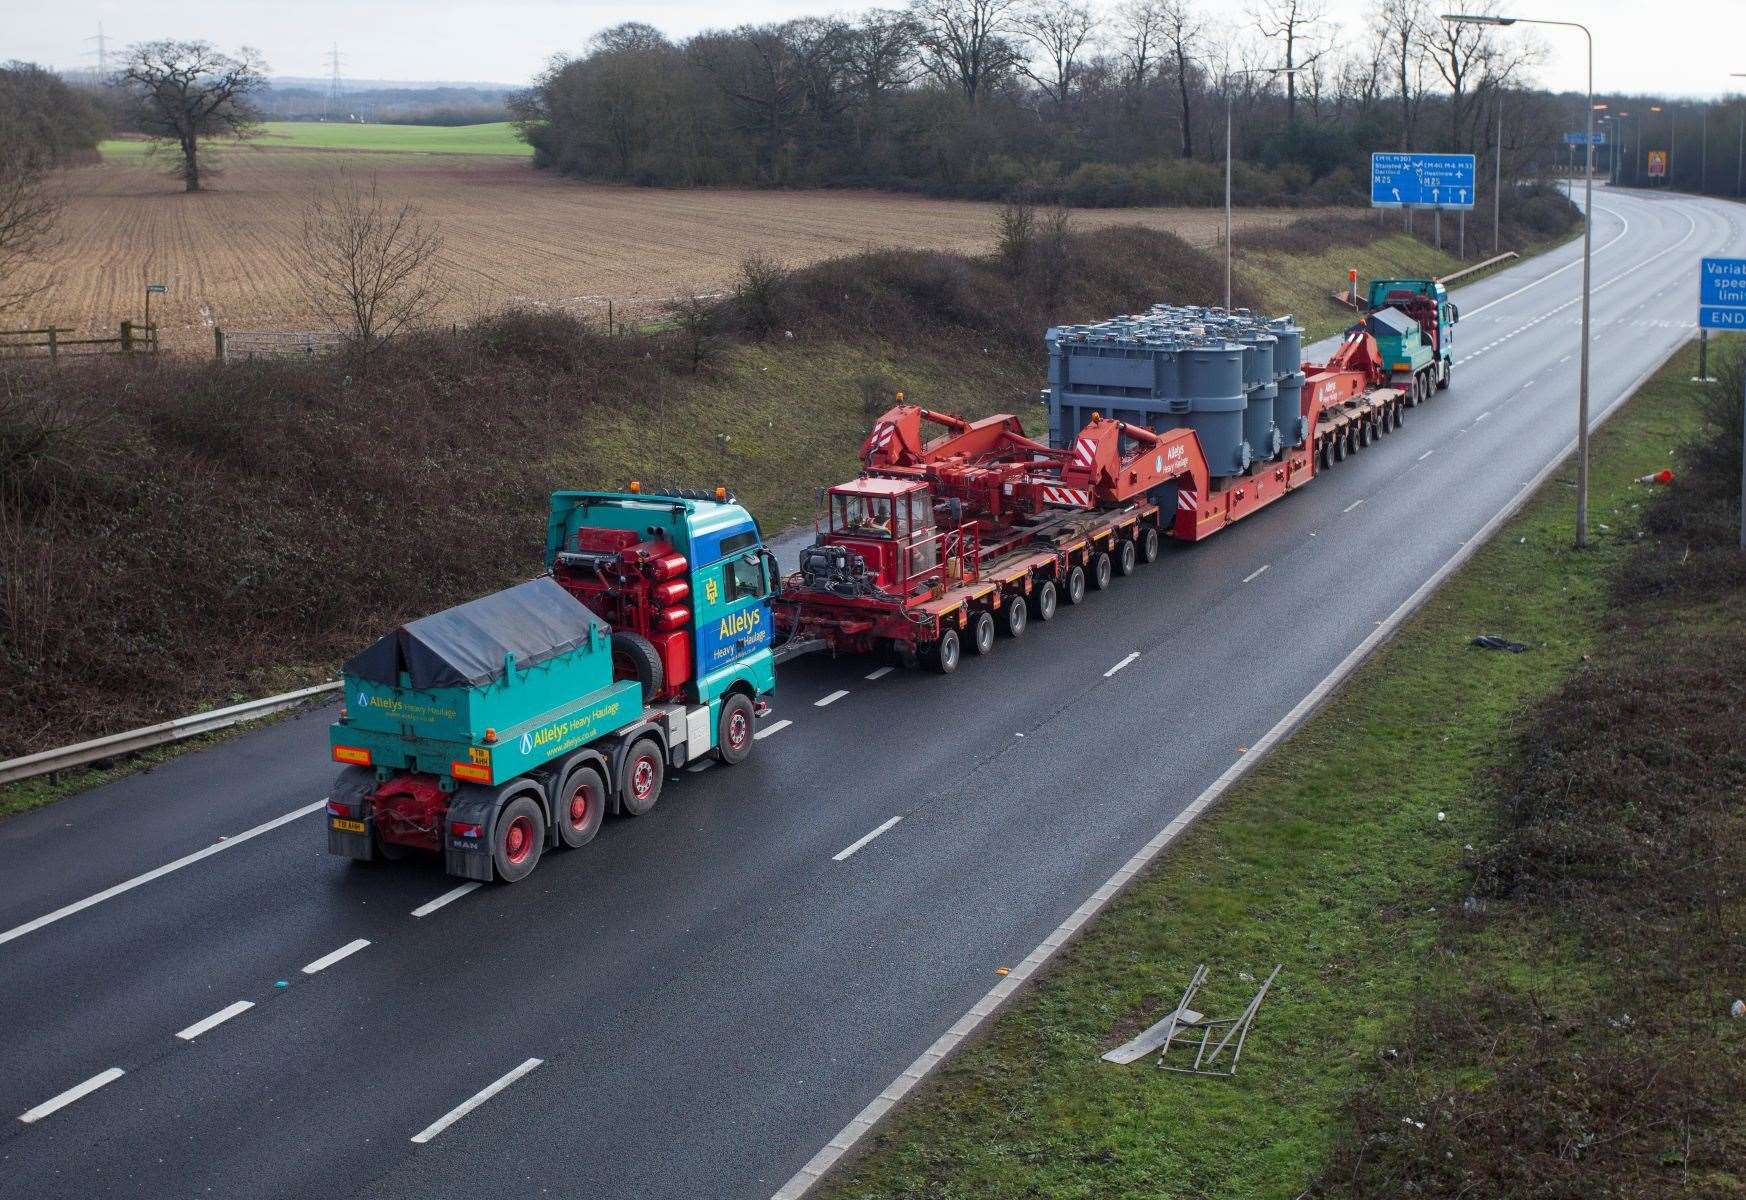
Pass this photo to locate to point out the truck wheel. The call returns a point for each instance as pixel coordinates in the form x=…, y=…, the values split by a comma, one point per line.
x=635, y=657
x=1100, y=573
x=1043, y=601
x=1448, y=374
x=982, y=633
x=1127, y=557
x=1425, y=387
x=644, y=770
x=1399, y=407
x=581, y=807
x=733, y=730
x=1075, y=592
x=1148, y=545
x=1015, y=616
x=517, y=840
x=943, y=655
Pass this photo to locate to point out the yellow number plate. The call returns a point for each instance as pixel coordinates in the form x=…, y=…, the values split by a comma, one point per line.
x=348, y=826
x=479, y=757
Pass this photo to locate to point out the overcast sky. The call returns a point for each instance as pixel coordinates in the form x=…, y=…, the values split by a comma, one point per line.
x=1672, y=47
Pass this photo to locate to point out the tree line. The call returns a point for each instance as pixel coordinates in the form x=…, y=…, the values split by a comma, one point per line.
x=1102, y=104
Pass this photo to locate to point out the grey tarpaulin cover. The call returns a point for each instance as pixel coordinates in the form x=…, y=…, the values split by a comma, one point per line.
x=465, y=645
x=1390, y=320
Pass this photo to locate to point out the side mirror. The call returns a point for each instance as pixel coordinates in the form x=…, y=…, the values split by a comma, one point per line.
x=1454, y=315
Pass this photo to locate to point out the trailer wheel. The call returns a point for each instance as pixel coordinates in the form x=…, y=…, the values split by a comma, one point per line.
x=645, y=769
x=1324, y=453
x=635, y=657
x=1425, y=387
x=1127, y=557
x=1100, y=574
x=581, y=806
x=1075, y=592
x=1149, y=544
x=1340, y=445
x=982, y=633
x=1015, y=616
x=1399, y=407
x=1363, y=433
x=517, y=839
x=733, y=730
x=1043, y=600
x=943, y=654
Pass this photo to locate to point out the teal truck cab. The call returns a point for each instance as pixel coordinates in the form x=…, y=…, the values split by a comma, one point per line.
x=508, y=725
x=1419, y=351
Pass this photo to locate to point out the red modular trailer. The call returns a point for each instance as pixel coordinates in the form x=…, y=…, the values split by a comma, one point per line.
x=942, y=543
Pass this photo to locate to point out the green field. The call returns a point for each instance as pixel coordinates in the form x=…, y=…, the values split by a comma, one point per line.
x=497, y=138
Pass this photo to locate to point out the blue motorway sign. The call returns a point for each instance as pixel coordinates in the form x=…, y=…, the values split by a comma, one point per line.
x=1582, y=139
x=1421, y=181
x=1722, y=293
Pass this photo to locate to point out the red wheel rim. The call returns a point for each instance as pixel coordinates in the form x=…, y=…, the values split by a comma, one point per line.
x=518, y=841
x=739, y=729
x=643, y=777
x=581, y=805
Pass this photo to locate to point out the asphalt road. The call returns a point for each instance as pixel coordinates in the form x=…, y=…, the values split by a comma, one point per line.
x=714, y=989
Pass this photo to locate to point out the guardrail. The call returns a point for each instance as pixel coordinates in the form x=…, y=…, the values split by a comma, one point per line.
x=1480, y=266
x=45, y=761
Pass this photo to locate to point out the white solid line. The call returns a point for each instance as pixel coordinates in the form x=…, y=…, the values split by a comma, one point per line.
x=456, y=1113
x=77, y=1092
x=158, y=873
x=1426, y=455
x=1130, y=658
x=1251, y=578
x=1482, y=416
x=327, y=960
x=855, y=845
x=1575, y=262
x=803, y=1180
x=830, y=699
x=765, y=732
x=424, y=910
x=216, y=1019
x=1527, y=385
x=881, y=673
x=1352, y=506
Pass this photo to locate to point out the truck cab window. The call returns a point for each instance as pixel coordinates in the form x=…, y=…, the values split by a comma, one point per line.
x=745, y=578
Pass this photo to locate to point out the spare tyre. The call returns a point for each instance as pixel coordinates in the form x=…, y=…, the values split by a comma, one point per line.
x=635, y=657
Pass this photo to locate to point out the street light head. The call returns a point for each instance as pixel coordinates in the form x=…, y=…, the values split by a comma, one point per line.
x=1468, y=19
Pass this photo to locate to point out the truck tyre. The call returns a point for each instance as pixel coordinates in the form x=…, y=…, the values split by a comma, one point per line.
x=581, y=806
x=1340, y=445
x=1448, y=373
x=517, y=839
x=645, y=768
x=1074, y=593
x=1399, y=407
x=635, y=657
x=982, y=633
x=1148, y=544
x=1015, y=616
x=1101, y=571
x=1127, y=557
x=1043, y=601
x=733, y=730
x=943, y=654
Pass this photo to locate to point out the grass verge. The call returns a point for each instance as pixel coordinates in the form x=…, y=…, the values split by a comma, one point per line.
x=1341, y=857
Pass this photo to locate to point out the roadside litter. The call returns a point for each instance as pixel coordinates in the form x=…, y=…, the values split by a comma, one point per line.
x=1178, y=1026
x=1490, y=641
x=1661, y=476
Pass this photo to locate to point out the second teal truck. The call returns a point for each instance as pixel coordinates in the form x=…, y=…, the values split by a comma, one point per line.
x=1416, y=338
x=493, y=731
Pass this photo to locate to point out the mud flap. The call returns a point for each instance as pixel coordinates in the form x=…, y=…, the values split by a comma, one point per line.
x=353, y=788
x=470, y=857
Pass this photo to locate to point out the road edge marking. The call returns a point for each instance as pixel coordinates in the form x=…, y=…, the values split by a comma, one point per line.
x=803, y=1180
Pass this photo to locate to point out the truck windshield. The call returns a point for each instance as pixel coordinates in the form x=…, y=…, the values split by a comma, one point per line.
x=866, y=515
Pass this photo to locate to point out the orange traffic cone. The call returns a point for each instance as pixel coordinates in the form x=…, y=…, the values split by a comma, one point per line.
x=1661, y=476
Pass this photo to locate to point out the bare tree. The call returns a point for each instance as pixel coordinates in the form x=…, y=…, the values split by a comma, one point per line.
x=1472, y=61
x=964, y=42
x=28, y=211
x=1183, y=32
x=189, y=91
x=1140, y=26
x=1292, y=23
x=1059, y=30
x=364, y=263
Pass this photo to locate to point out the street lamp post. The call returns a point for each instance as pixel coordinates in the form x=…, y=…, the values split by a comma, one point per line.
x=1229, y=75
x=1587, y=252
x=1740, y=160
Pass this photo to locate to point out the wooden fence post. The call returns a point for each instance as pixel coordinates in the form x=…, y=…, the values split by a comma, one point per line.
x=218, y=341
x=53, y=351
x=127, y=337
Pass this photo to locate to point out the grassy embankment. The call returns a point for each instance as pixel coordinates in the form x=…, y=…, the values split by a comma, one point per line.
x=1419, y=1042
x=256, y=548
x=497, y=138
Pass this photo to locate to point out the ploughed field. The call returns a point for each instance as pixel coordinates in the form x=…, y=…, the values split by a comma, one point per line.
x=513, y=236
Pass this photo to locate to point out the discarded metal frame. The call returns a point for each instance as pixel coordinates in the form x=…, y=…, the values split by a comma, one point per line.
x=1238, y=1028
